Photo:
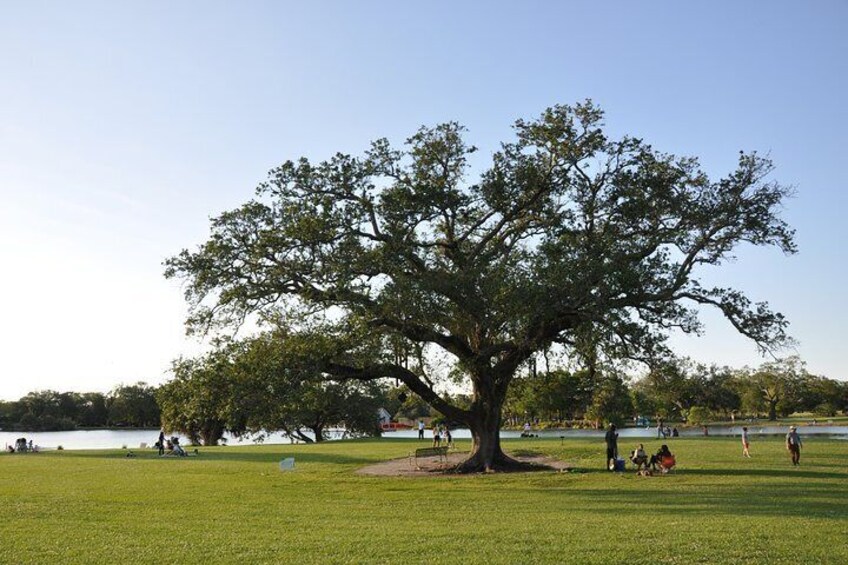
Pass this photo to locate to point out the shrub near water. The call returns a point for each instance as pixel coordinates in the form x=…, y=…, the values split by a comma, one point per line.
x=234, y=505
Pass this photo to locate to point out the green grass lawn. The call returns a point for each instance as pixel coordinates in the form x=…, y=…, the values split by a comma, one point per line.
x=234, y=505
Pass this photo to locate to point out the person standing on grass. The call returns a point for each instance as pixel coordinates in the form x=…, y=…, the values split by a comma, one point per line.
x=437, y=437
x=793, y=445
x=745, y=444
x=161, y=442
x=420, y=429
x=611, y=438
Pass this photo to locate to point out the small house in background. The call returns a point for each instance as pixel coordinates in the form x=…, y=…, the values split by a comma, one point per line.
x=389, y=425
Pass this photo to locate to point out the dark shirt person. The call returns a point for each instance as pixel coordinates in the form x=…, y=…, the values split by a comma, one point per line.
x=793, y=445
x=611, y=439
x=662, y=453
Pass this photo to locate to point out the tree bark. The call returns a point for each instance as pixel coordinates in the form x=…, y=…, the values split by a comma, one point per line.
x=485, y=425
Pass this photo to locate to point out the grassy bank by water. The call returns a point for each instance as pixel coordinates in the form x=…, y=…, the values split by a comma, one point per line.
x=234, y=505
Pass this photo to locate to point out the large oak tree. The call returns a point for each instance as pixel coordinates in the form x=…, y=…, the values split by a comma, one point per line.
x=566, y=232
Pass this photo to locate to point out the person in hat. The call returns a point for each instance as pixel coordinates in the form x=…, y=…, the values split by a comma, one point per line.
x=793, y=445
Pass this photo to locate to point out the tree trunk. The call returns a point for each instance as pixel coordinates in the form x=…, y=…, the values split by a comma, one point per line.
x=318, y=430
x=485, y=425
x=212, y=434
x=772, y=413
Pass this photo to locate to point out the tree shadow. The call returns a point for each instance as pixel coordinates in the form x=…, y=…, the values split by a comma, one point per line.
x=224, y=455
x=789, y=472
x=818, y=494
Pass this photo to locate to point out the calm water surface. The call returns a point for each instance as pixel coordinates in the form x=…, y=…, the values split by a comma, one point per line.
x=116, y=439
x=132, y=439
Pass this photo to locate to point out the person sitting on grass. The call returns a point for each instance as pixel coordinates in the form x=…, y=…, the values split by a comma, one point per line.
x=178, y=449
x=639, y=458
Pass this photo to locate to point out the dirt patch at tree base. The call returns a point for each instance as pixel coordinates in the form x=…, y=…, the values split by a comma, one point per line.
x=433, y=467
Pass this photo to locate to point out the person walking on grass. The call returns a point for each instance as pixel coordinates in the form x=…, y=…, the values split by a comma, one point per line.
x=745, y=443
x=793, y=445
x=611, y=438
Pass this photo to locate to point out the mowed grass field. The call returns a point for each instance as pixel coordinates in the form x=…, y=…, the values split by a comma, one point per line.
x=234, y=505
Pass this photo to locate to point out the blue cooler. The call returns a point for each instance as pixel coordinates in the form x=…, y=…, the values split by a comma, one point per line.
x=618, y=465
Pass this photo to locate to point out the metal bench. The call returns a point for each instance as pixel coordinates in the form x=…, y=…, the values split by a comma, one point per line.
x=440, y=452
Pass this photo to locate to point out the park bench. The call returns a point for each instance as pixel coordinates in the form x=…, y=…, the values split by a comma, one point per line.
x=440, y=452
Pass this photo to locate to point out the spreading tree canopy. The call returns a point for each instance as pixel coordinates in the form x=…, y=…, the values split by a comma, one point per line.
x=567, y=232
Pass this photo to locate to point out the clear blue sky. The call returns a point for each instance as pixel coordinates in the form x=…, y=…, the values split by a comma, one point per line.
x=125, y=126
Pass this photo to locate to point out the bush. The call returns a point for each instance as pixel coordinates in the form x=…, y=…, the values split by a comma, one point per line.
x=825, y=409
x=698, y=416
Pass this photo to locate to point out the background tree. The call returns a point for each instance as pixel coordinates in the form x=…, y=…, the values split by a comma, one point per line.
x=717, y=391
x=568, y=229
x=54, y=411
x=275, y=392
x=402, y=403
x=197, y=401
x=43, y=410
x=774, y=387
x=642, y=401
x=92, y=410
x=133, y=406
x=671, y=389
x=611, y=402
x=698, y=416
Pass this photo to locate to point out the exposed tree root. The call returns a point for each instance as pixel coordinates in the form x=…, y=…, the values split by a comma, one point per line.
x=501, y=463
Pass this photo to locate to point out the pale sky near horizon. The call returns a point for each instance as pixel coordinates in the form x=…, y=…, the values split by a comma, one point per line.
x=125, y=126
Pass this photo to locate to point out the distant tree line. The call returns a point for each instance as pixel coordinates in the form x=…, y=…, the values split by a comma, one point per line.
x=678, y=391
x=253, y=387
x=132, y=406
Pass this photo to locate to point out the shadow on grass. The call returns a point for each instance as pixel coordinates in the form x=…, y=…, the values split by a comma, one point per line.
x=224, y=455
x=789, y=472
x=778, y=492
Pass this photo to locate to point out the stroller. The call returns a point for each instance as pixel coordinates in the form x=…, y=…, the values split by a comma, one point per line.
x=178, y=449
x=174, y=448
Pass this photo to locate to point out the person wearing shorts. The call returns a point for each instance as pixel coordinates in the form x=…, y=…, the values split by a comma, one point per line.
x=745, y=443
x=437, y=437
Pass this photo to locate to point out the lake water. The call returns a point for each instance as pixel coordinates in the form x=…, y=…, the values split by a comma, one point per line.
x=116, y=439
x=132, y=439
x=648, y=433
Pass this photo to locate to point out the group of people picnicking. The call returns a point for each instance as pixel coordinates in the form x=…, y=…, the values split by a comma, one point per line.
x=22, y=446
x=663, y=460
x=169, y=446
